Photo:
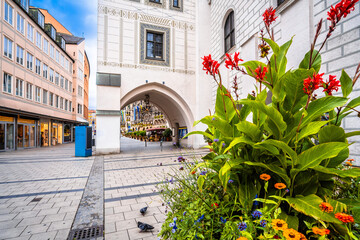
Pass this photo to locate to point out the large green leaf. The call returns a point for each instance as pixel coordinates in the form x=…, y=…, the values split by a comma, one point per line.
x=352, y=104
x=316, y=154
x=311, y=129
x=316, y=62
x=340, y=158
x=350, y=173
x=331, y=133
x=293, y=84
x=284, y=147
x=337, y=206
x=250, y=129
x=272, y=114
x=292, y=221
x=274, y=46
x=346, y=84
x=309, y=206
x=275, y=169
x=220, y=124
x=321, y=106
x=200, y=182
x=239, y=140
x=201, y=133
x=223, y=107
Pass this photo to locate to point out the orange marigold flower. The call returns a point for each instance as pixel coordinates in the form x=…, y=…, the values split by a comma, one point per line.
x=279, y=224
x=291, y=234
x=242, y=238
x=193, y=172
x=326, y=207
x=345, y=218
x=320, y=231
x=265, y=177
x=348, y=163
x=302, y=237
x=280, y=185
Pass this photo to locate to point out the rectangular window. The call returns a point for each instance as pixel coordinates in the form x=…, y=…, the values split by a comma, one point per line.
x=45, y=71
x=45, y=96
x=81, y=57
x=67, y=64
x=63, y=44
x=51, y=99
x=61, y=103
x=30, y=32
x=62, y=60
x=53, y=33
x=70, y=106
x=70, y=86
x=25, y=4
x=56, y=78
x=8, y=16
x=52, y=51
x=19, y=87
x=154, y=45
x=46, y=46
x=51, y=75
x=29, y=61
x=66, y=84
x=41, y=20
x=7, y=83
x=57, y=101
x=61, y=81
x=8, y=47
x=176, y=3
x=57, y=56
x=79, y=109
x=38, y=66
x=80, y=91
x=29, y=91
x=155, y=1
x=66, y=104
x=80, y=73
x=38, y=39
x=37, y=94
x=20, y=24
x=19, y=55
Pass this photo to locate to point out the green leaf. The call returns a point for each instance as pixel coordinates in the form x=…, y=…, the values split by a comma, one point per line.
x=238, y=140
x=351, y=134
x=352, y=104
x=267, y=147
x=340, y=158
x=201, y=133
x=223, y=107
x=315, y=155
x=320, y=106
x=293, y=84
x=220, y=124
x=338, y=206
x=286, y=149
x=275, y=169
x=267, y=201
x=250, y=66
x=331, y=133
x=274, y=46
x=316, y=62
x=292, y=221
x=250, y=129
x=346, y=84
x=201, y=181
x=311, y=129
x=350, y=173
x=309, y=206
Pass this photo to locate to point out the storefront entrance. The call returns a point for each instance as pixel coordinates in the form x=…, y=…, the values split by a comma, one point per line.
x=26, y=133
x=6, y=133
x=57, y=133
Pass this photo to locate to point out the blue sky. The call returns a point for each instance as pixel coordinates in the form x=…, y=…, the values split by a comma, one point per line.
x=80, y=18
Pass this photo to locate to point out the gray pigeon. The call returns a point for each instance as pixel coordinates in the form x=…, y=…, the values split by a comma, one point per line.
x=143, y=210
x=144, y=226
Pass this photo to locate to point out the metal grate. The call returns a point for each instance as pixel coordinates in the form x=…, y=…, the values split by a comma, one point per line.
x=86, y=233
x=36, y=199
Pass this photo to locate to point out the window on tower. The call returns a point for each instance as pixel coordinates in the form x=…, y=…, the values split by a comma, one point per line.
x=154, y=45
x=229, y=32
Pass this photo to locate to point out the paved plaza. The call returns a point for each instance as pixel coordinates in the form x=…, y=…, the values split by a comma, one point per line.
x=41, y=189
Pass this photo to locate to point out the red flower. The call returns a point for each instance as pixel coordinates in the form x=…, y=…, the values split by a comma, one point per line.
x=269, y=16
x=229, y=62
x=260, y=73
x=342, y=9
x=215, y=204
x=210, y=66
x=311, y=84
x=345, y=218
x=331, y=85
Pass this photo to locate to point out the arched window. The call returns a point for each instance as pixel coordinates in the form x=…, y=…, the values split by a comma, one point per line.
x=229, y=32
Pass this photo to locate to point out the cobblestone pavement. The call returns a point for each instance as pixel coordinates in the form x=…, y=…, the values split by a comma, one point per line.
x=40, y=190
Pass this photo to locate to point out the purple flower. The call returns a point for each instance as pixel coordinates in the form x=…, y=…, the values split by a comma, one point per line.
x=223, y=145
x=242, y=226
x=263, y=223
x=171, y=224
x=213, y=119
x=180, y=191
x=181, y=159
x=173, y=230
x=175, y=218
x=160, y=164
x=203, y=173
x=287, y=190
x=184, y=213
x=230, y=181
x=181, y=168
x=256, y=214
x=216, y=140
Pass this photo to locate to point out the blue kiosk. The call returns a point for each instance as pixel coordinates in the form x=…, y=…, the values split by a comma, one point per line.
x=83, y=141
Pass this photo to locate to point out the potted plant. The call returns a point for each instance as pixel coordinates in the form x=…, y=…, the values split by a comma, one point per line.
x=167, y=134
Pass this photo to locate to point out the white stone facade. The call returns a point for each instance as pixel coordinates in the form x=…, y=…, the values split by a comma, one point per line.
x=198, y=30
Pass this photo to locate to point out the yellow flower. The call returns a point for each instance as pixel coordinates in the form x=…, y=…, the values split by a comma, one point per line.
x=302, y=237
x=279, y=224
x=291, y=234
x=242, y=238
x=280, y=185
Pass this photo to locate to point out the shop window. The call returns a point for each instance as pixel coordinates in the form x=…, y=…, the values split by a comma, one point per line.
x=154, y=45
x=229, y=32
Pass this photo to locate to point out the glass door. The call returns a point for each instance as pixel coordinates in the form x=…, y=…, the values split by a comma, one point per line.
x=54, y=134
x=60, y=133
x=44, y=134
x=27, y=136
x=20, y=136
x=32, y=135
x=2, y=136
x=10, y=136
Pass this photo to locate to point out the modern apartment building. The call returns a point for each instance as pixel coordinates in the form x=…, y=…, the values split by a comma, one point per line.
x=41, y=95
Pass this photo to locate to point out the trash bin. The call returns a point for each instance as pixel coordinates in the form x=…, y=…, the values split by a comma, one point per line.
x=83, y=141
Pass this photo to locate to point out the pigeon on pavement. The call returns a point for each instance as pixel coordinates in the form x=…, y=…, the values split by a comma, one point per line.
x=143, y=210
x=144, y=226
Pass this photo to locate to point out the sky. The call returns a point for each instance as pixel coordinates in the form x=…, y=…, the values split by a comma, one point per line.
x=80, y=18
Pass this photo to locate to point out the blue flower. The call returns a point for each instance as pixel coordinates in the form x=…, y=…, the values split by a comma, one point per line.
x=180, y=191
x=223, y=145
x=200, y=218
x=242, y=226
x=223, y=220
x=184, y=213
x=173, y=230
x=256, y=214
x=256, y=203
x=175, y=218
x=287, y=190
x=172, y=224
x=216, y=140
x=213, y=119
x=263, y=223
x=230, y=181
x=203, y=173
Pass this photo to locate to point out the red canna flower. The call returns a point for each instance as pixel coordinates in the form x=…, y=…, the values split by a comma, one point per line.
x=269, y=16
x=260, y=73
x=215, y=205
x=233, y=63
x=311, y=84
x=341, y=9
x=331, y=85
x=210, y=66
